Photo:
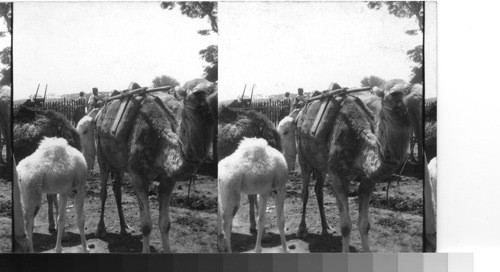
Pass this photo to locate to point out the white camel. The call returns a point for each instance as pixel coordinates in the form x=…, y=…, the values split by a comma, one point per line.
x=54, y=168
x=21, y=241
x=430, y=188
x=86, y=129
x=254, y=168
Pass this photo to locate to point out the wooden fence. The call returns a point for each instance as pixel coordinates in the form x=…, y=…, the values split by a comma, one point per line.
x=274, y=110
x=73, y=110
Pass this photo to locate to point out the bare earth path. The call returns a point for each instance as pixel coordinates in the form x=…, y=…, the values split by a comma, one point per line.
x=396, y=226
x=194, y=221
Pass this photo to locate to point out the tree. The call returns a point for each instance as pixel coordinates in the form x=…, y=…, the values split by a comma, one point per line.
x=201, y=10
x=372, y=81
x=164, y=80
x=210, y=55
x=197, y=10
x=5, y=54
x=408, y=10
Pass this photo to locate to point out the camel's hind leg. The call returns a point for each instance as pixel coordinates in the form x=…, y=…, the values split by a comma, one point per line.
x=32, y=203
x=80, y=216
x=280, y=215
x=262, y=199
x=101, y=227
x=117, y=189
x=253, y=205
x=229, y=202
x=318, y=188
x=164, y=194
x=141, y=186
x=305, y=173
x=61, y=220
x=340, y=188
x=364, y=195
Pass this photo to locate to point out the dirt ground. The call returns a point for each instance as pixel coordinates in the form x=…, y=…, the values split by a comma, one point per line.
x=193, y=220
x=5, y=216
x=396, y=225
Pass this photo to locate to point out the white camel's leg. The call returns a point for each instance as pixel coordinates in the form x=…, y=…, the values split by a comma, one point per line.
x=254, y=205
x=101, y=227
x=262, y=199
x=141, y=186
x=365, y=192
x=340, y=190
x=32, y=203
x=318, y=188
x=229, y=202
x=280, y=215
x=80, y=215
x=61, y=219
x=164, y=194
x=306, y=171
x=117, y=189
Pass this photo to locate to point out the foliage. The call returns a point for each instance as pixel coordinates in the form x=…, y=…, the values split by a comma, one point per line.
x=372, y=81
x=5, y=54
x=164, y=80
x=431, y=111
x=202, y=10
x=210, y=55
x=197, y=10
x=402, y=9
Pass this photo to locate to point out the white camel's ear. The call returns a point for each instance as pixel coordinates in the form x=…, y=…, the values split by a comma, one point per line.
x=378, y=92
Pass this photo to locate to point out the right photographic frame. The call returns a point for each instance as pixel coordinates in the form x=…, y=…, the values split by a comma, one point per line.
x=327, y=127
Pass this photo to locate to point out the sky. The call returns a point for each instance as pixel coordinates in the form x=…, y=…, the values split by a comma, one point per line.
x=73, y=47
x=283, y=46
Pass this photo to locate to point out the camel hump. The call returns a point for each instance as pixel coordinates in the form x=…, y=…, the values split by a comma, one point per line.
x=252, y=143
x=53, y=143
x=133, y=86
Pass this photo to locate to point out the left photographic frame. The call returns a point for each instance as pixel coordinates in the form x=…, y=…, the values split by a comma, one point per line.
x=132, y=86
x=6, y=162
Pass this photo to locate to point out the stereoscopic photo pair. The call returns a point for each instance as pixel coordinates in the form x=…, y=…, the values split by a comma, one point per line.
x=122, y=99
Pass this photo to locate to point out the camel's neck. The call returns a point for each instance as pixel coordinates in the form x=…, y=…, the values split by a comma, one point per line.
x=195, y=136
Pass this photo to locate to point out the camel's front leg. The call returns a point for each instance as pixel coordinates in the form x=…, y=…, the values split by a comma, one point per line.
x=340, y=188
x=164, y=194
x=318, y=188
x=101, y=227
x=141, y=186
x=305, y=173
x=117, y=189
x=61, y=220
x=262, y=221
x=51, y=203
x=252, y=202
x=365, y=192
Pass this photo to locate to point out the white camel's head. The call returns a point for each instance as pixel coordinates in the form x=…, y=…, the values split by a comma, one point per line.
x=286, y=129
x=85, y=128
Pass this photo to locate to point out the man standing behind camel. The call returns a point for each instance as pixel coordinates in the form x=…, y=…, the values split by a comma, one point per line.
x=94, y=100
x=300, y=99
